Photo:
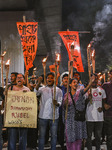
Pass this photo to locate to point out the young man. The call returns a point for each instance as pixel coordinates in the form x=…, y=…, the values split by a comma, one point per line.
x=94, y=114
x=46, y=111
x=77, y=76
x=108, y=111
x=12, y=132
x=63, y=87
x=13, y=78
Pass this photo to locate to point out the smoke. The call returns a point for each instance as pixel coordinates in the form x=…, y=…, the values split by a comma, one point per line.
x=103, y=34
x=94, y=16
x=103, y=23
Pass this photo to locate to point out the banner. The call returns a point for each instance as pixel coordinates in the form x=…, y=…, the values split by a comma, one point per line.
x=28, y=35
x=69, y=38
x=21, y=109
x=52, y=69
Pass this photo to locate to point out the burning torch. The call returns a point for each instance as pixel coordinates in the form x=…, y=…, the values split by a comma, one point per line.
x=44, y=68
x=57, y=62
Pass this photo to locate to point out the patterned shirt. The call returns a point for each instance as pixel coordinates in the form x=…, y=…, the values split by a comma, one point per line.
x=75, y=130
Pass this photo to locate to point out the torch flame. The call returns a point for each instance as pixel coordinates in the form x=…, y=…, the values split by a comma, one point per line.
x=57, y=57
x=99, y=73
x=8, y=62
x=3, y=53
x=44, y=60
x=93, y=53
x=101, y=77
x=89, y=45
x=34, y=69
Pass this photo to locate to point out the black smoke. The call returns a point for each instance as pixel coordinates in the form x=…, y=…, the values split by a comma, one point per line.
x=94, y=16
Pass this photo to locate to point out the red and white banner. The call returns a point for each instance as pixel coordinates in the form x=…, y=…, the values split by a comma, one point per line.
x=28, y=35
x=68, y=38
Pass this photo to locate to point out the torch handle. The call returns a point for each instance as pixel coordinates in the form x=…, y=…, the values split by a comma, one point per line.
x=88, y=57
x=54, y=97
x=2, y=71
x=6, y=92
x=70, y=66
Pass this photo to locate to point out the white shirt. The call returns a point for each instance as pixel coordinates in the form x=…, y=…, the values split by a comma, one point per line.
x=92, y=113
x=46, y=102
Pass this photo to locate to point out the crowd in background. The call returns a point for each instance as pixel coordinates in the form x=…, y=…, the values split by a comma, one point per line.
x=94, y=99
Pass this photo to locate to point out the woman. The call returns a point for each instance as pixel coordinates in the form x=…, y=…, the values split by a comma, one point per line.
x=75, y=131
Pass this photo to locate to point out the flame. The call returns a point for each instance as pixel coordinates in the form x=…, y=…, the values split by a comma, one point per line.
x=101, y=77
x=7, y=62
x=93, y=53
x=99, y=73
x=57, y=57
x=34, y=69
x=3, y=53
x=45, y=59
x=89, y=45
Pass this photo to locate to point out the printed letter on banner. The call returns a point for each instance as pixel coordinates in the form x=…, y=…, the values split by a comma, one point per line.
x=28, y=35
x=68, y=38
x=21, y=109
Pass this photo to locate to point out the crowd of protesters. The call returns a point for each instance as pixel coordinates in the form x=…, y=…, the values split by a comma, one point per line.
x=71, y=95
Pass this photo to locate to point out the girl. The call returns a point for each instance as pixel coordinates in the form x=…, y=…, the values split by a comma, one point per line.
x=75, y=131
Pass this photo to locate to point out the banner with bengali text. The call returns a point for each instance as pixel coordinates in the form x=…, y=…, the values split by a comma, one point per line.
x=68, y=38
x=29, y=41
x=21, y=109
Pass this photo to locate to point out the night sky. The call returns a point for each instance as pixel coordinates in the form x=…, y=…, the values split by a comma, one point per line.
x=94, y=16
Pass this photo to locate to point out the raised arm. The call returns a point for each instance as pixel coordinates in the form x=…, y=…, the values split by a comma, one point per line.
x=92, y=79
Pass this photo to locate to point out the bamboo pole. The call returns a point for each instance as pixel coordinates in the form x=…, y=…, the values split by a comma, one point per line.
x=89, y=67
x=24, y=20
x=2, y=71
x=72, y=52
x=70, y=64
x=44, y=68
x=2, y=58
x=57, y=62
x=54, y=96
x=88, y=58
x=6, y=88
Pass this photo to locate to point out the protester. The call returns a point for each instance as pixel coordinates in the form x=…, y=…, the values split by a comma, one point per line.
x=77, y=76
x=46, y=111
x=108, y=111
x=94, y=114
x=13, y=78
x=32, y=134
x=61, y=127
x=12, y=132
x=75, y=131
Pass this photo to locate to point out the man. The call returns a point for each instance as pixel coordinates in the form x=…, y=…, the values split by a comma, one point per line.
x=77, y=76
x=13, y=78
x=108, y=111
x=46, y=111
x=12, y=132
x=63, y=87
x=94, y=114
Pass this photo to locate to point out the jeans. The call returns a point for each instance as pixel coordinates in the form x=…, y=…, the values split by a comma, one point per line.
x=42, y=131
x=1, y=139
x=108, y=124
x=12, y=137
x=95, y=127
